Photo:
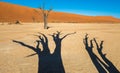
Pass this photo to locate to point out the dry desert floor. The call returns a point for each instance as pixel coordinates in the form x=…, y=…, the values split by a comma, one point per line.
x=74, y=55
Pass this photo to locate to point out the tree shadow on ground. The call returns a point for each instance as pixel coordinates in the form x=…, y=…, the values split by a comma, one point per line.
x=47, y=62
x=104, y=65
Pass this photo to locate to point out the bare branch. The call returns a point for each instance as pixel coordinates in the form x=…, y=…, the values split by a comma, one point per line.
x=86, y=40
x=23, y=44
x=86, y=36
x=91, y=44
x=101, y=44
x=31, y=55
x=48, y=11
x=38, y=43
x=46, y=40
x=67, y=35
x=96, y=43
x=37, y=11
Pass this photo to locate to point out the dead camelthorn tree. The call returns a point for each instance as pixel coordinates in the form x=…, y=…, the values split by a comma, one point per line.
x=45, y=13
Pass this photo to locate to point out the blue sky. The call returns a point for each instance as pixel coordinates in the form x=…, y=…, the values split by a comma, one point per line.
x=84, y=7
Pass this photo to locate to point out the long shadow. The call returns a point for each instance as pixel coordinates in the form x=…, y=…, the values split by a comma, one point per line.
x=104, y=65
x=47, y=62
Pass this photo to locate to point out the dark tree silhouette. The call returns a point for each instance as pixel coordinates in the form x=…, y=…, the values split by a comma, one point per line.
x=102, y=66
x=110, y=67
x=47, y=62
x=92, y=55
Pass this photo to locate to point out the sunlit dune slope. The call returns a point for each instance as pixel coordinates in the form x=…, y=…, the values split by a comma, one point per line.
x=11, y=13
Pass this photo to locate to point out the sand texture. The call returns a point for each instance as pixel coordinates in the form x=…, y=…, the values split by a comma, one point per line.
x=74, y=56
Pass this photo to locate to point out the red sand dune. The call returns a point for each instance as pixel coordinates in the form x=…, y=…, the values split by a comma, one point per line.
x=11, y=13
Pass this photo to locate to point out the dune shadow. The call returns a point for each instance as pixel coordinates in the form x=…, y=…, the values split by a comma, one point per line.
x=47, y=62
x=104, y=65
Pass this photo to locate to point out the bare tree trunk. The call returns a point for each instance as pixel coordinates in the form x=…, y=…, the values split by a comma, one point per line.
x=45, y=22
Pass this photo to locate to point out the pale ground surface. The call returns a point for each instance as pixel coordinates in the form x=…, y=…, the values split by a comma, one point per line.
x=75, y=58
